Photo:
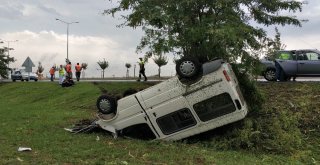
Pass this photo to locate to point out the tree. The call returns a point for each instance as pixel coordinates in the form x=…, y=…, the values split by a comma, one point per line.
x=274, y=45
x=84, y=66
x=160, y=60
x=128, y=65
x=205, y=29
x=103, y=65
x=4, y=61
x=40, y=70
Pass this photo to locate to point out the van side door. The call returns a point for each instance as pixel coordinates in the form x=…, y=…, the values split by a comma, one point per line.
x=171, y=116
x=308, y=63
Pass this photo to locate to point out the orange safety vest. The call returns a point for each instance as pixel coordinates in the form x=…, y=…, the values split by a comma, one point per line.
x=78, y=68
x=68, y=68
x=52, y=71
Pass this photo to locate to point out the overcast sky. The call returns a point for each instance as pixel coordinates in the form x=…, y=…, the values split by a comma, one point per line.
x=41, y=37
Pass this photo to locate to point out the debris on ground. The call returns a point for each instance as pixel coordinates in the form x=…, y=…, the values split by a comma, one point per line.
x=83, y=126
x=20, y=149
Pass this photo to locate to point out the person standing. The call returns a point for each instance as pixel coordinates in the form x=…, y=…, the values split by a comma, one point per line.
x=61, y=74
x=142, y=70
x=52, y=70
x=78, y=71
x=69, y=70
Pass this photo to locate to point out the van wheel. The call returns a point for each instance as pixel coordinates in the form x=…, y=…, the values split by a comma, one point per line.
x=106, y=104
x=188, y=67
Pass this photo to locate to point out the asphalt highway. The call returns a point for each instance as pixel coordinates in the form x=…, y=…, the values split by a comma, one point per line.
x=298, y=79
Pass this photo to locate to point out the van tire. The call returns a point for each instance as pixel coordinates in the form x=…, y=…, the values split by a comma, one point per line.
x=188, y=67
x=106, y=104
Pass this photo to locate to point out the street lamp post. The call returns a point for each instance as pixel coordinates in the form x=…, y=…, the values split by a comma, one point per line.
x=68, y=23
x=9, y=45
x=8, y=48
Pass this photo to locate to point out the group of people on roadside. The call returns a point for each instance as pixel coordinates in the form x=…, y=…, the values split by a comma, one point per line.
x=65, y=74
x=67, y=77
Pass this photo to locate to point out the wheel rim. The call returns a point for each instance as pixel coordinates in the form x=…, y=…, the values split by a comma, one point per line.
x=270, y=75
x=105, y=105
x=187, y=68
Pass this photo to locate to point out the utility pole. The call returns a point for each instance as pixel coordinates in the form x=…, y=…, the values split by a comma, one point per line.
x=134, y=70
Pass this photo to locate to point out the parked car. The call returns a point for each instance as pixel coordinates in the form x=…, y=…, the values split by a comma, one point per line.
x=23, y=76
x=297, y=63
x=202, y=97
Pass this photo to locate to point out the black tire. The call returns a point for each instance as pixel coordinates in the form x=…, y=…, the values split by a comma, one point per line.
x=188, y=67
x=106, y=104
x=270, y=75
x=22, y=79
x=14, y=80
x=35, y=80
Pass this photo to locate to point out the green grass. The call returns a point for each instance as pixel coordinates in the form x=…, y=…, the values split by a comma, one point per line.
x=34, y=115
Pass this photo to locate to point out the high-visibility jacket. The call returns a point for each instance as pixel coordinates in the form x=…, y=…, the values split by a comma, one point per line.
x=52, y=71
x=61, y=71
x=78, y=68
x=141, y=63
x=284, y=56
x=68, y=68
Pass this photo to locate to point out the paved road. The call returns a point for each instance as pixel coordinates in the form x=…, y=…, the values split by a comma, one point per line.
x=87, y=80
x=299, y=79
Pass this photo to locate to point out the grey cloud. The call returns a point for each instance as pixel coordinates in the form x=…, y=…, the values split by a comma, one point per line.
x=49, y=10
x=10, y=11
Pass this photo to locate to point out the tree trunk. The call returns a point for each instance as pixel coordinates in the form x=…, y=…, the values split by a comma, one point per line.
x=127, y=75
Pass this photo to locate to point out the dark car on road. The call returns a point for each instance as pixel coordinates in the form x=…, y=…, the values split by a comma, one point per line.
x=292, y=63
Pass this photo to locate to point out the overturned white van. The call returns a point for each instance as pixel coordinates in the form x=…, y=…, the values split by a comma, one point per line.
x=202, y=97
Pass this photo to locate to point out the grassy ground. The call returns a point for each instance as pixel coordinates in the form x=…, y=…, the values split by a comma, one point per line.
x=34, y=115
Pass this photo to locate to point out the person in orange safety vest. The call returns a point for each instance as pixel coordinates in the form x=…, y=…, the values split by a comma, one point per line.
x=78, y=71
x=52, y=70
x=69, y=70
